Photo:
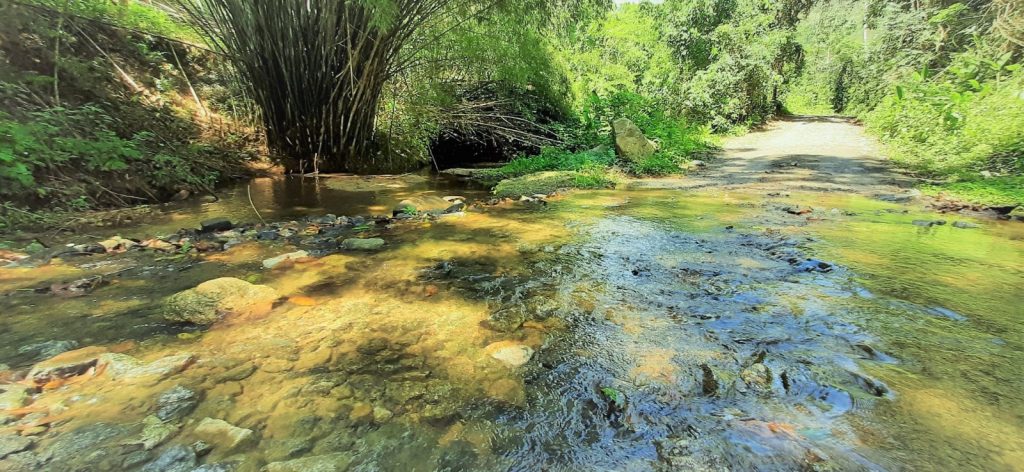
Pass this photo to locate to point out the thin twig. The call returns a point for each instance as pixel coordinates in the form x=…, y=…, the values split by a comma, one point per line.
x=248, y=191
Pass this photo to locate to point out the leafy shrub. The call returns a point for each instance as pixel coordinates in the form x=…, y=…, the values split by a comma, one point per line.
x=551, y=159
x=658, y=164
x=73, y=158
x=551, y=181
x=955, y=125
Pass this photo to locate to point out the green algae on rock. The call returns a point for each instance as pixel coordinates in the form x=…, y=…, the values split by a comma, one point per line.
x=216, y=299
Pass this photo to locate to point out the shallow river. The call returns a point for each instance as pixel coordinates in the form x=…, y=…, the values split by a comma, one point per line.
x=605, y=330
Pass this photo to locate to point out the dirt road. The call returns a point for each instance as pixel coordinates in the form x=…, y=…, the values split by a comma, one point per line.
x=829, y=154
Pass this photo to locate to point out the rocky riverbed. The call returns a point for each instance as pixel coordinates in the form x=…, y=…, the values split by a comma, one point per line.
x=619, y=330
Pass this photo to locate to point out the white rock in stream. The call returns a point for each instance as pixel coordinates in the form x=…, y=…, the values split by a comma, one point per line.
x=291, y=256
x=510, y=353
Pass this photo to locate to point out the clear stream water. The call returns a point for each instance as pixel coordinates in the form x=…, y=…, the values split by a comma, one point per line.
x=667, y=330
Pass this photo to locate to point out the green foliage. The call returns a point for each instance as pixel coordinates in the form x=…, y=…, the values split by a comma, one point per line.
x=956, y=123
x=937, y=84
x=545, y=183
x=997, y=191
x=615, y=396
x=126, y=14
x=552, y=158
x=73, y=158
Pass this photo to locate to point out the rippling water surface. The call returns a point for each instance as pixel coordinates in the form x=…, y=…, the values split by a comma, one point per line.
x=656, y=330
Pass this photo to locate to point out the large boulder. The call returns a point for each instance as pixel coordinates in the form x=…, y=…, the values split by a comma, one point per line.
x=217, y=299
x=630, y=142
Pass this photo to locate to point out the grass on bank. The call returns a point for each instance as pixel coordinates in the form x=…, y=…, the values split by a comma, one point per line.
x=1000, y=192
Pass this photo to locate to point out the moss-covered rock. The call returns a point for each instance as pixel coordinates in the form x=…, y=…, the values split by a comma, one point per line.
x=213, y=300
x=549, y=182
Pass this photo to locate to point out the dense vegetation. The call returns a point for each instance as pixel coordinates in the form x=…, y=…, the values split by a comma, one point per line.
x=941, y=82
x=99, y=108
x=109, y=104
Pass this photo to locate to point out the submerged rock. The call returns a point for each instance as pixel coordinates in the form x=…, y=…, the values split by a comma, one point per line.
x=336, y=462
x=10, y=444
x=176, y=403
x=630, y=142
x=510, y=353
x=757, y=376
x=48, y=349
x=290, y=257
x=216, y=299
x=82, y=441
x=224, y=436
x=13, y=396
x=154, y=433
x=359, y=244
x=67, y=364
x=422, y=204
x=125, y=367
x=176, y=458
x=965, y=225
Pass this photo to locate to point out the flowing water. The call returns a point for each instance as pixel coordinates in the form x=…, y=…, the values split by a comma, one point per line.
x=660, y=329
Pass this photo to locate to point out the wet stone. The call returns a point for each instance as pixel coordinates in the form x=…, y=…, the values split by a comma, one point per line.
x=237, y=373
x=176, y=403
x=67, y=364
x=362, y=412
x=178, y=458
x=21, y=462
x=290, y=257
x=212, y=300
x=69, y=446
x=373, y=346
x=283, y=449
x=135, y=458
x=336, y=462
x=201, y=448
x=267, y=235
x=216, y=467
x=360, y=244
x=48, y=349
x=155, y=432
x=224, y=436
x=509, y=353
x=10, y=444
x=13, y=396
x=216, y=224
x=757, y=376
